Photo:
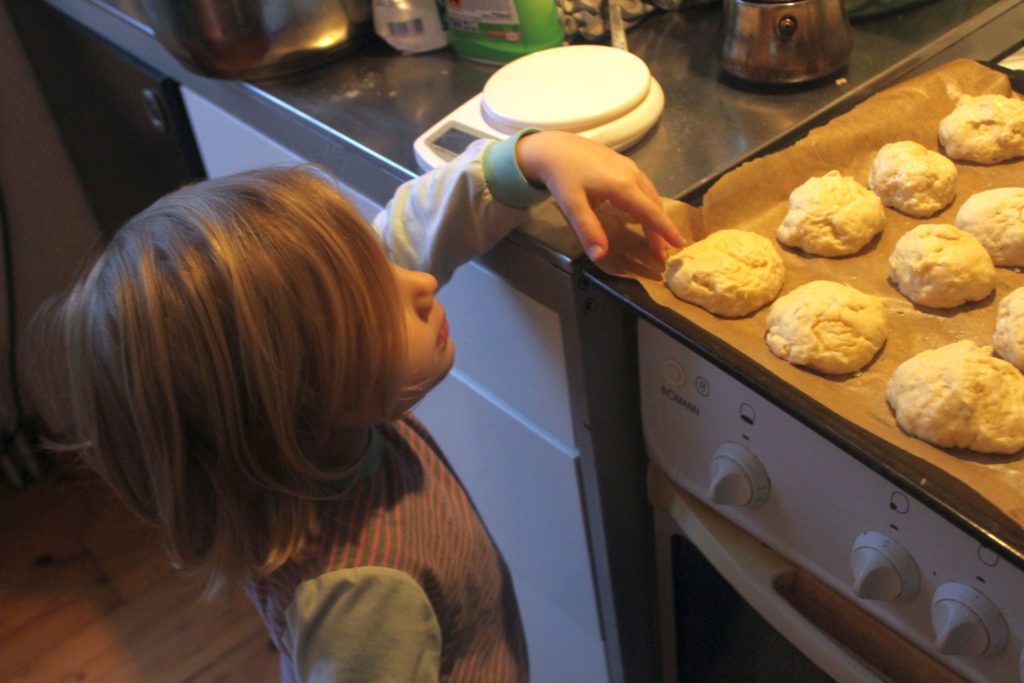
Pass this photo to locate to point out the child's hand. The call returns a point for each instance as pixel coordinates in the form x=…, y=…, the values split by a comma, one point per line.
x=582, y=174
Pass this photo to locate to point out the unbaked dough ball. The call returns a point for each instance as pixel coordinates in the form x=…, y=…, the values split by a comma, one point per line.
x=912, y=179
x=1009, y=335
x=941, y=266
x=730, y=272
x=827, y=326
x=985, y=129
x=996, y=218
x=960, y=396
x=831, y=215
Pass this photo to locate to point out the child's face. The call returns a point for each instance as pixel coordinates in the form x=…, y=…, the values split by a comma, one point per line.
x=429, y=353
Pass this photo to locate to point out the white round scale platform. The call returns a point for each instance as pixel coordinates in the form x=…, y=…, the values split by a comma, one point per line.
x=599, y=92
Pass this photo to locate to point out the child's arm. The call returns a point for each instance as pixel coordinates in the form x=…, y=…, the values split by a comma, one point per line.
x=448, y=216
x=582, y=174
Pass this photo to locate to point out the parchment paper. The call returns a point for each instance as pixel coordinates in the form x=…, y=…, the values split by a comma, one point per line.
x=754, y=197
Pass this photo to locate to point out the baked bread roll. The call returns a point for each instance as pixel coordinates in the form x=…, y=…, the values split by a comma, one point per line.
x=1008, y=339
x=996, y=218
x=831, y=327
x=985, y=129
x=960, y=396
x=729, y=273
x=941, y=266
x=831, y=215
x=912, y=179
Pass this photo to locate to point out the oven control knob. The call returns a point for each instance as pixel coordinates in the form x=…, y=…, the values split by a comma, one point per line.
x=966, y=623
x=737, y=477
x=883, y=569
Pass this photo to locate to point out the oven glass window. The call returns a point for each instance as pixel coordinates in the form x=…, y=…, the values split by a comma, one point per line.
x=719, y=638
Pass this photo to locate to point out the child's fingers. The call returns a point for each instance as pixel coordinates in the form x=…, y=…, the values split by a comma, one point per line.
x=593, y=238
x=651, y=215
x=585, y=224
x=657, y=246
x=647, y=185
x=671, y=235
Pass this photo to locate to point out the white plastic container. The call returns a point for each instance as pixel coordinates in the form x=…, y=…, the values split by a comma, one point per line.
x=409, y=26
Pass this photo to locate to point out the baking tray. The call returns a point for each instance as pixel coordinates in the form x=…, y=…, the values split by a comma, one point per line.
x=947, y=481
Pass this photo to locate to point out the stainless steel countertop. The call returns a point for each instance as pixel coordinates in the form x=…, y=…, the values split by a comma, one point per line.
x=360, y=114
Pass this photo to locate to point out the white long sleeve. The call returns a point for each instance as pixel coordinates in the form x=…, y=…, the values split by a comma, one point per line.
x=446, y=217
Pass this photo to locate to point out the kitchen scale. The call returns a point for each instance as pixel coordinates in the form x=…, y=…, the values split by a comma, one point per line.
x=602, y=93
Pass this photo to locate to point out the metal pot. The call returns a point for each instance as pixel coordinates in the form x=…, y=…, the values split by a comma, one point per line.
x=775, y=41
x=252, y=39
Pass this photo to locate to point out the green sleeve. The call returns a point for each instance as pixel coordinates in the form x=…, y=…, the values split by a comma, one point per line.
x=372, y=624
x=506, y=180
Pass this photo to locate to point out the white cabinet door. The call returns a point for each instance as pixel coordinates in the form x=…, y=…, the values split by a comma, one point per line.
x=503, y=419
x=229, y=145
x=511, y=347
x=526, y=489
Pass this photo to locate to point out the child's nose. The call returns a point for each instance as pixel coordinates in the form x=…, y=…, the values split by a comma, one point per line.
x=425, y=283
x=419, y=287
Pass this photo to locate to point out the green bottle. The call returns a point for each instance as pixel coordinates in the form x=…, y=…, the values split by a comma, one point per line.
x=498, y=31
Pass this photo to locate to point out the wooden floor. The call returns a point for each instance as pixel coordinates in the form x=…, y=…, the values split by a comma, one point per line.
x=86, y=594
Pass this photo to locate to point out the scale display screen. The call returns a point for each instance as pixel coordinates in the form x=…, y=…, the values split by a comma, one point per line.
x=453, y=140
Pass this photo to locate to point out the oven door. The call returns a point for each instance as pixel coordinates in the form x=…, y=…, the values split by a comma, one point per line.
x=734, y=610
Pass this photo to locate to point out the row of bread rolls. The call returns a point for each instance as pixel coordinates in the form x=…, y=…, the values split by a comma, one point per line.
x=939, y=395
x=960, y=395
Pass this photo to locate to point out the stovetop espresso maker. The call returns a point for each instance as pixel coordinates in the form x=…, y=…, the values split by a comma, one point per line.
x=780, y=41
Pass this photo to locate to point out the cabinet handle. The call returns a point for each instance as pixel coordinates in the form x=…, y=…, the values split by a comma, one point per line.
x=154, y=109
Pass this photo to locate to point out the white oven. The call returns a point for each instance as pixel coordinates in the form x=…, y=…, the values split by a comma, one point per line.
x=782, y=557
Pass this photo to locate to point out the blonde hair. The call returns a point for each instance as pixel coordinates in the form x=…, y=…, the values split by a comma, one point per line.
x=217, y=340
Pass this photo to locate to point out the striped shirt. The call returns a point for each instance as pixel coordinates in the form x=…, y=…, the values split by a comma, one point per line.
x=406, y=583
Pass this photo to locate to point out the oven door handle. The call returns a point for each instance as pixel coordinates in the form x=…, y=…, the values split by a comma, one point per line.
x=758, y=573
x=762, y=577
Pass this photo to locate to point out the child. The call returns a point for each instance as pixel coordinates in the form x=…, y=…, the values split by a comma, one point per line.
x=241, y=360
